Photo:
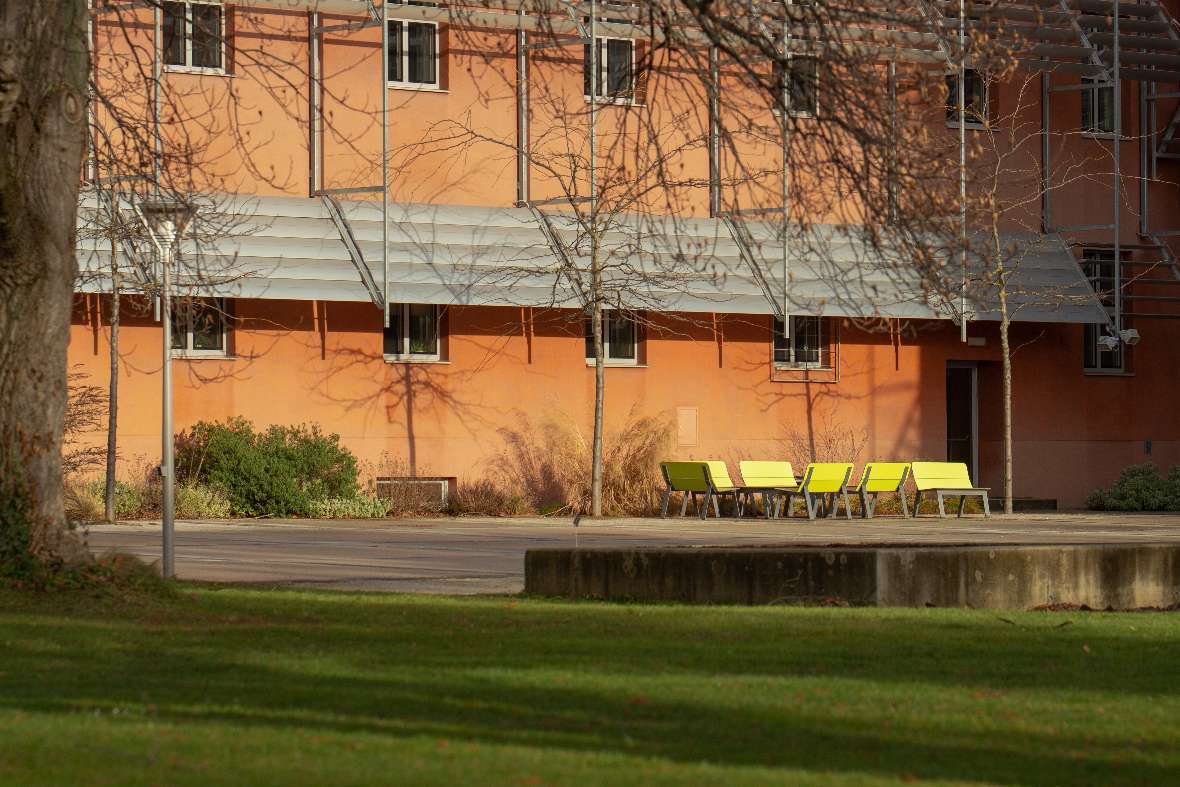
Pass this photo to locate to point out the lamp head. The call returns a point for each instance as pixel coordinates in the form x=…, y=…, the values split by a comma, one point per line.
x=167, y=218
x=1129, y=336
x=1108, y=342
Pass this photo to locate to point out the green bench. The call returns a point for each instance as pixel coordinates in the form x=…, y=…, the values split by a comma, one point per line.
x=946, y=479
x=882, y=477
x=710, y=479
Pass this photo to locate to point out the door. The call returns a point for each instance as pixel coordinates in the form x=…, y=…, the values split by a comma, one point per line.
x=962, y=415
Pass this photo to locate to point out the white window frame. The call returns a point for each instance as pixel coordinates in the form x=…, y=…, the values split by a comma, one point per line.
x=822, y=348
x=188, y=67
x=1095, y=89
x=404, y=48
x=952, y=121
x=604, y=70
x=402, y=312
x=188, y=351
x=607, y=315
x=1092, y=332
x=799, y=113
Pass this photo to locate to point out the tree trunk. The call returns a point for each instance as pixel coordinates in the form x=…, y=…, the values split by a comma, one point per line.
x=1006, y=372
x=113, y=389
x=599, y=395
x=43, y=80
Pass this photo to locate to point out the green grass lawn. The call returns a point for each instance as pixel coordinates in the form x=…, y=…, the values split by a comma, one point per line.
x=278, y=687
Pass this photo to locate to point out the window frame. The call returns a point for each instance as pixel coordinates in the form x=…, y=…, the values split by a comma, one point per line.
x=637, y=339
x=823, y=348
x=405, y=355
x=604, y=72
x=791, y=78
x=952, y=110
x=188, y=350
x=403, y=47
x=1093, y=92
x=1093, y=261
x=187, y=67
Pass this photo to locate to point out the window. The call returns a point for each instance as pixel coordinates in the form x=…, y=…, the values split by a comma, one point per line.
x=413, y=333
x=620, y=339
x=198, y=328
x=1098, y=265
x=976, y=97
x=193, y=35
x=1097, y=106
x=805, y=349
x=616, y=67
x=413, y=52
x=802, y=84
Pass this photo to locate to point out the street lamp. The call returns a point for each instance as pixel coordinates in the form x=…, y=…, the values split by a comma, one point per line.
x=165, y=220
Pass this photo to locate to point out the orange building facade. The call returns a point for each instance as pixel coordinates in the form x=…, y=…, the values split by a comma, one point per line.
x=298, y=339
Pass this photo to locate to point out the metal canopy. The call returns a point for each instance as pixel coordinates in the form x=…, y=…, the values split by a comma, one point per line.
x=290, y=248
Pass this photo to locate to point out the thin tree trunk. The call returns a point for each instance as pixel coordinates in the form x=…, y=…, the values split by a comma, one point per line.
x=43, y=78
x=599, y=396
x=113, y=389
x=1006, y=371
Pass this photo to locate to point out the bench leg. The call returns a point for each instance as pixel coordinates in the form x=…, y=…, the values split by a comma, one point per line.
x=717, y=504
x=664, y=504
x=684, y=496
x=812, y=505
x=905, y=506
x=847, y=505
x=962, y=503
x=703, y=511
x=865, y=511
x=941, y=506
x=987, y=511
x=917, y=503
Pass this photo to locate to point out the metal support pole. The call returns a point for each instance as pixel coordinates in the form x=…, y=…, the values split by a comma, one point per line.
x=963, y=167
x=1144, y=162
x=893, y=140
x=1046, y=153
x=593, y=164
x=1117, y=143
x=714, y=132
x=167, y=506
x=385, y=161
x=522, y=112
x=785, y=129
x=314, y=180
x=157, y=137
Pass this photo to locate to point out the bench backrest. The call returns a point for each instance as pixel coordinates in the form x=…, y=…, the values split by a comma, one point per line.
x=768, y=475
x=827, y=476
x=941, y=475
x=685, y=476
x=719, y=474
x=883, y=476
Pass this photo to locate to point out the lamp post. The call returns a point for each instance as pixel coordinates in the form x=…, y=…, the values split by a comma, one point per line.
x=166, y=220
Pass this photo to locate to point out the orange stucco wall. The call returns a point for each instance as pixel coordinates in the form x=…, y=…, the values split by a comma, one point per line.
x=296, y=362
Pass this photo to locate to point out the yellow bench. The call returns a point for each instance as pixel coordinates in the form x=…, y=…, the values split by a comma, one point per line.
x=710, y=479
x=768, y=479
x=946, y=479
x=824, y=483
x=881, y=477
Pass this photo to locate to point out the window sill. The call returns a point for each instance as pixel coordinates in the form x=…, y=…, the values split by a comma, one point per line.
x=968, y=126
x=618, y=364
x=1101, y=135
x=409, y=359
x=618, y=102
x=1107, y=373
x=209, y=72
x=790, y=367
x=416, y=88
x=189, y=355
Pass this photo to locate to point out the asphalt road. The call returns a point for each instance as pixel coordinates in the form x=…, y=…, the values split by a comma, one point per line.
x=487, y=555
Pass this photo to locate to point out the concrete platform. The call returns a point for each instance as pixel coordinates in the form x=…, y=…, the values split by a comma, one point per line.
x=487, y=555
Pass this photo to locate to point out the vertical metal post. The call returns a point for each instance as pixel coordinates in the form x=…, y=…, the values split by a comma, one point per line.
x=522, y=111
x=893, y=141
x=785, y=132
x=157, y=138
x=167, y=507
x=963, y=167
x=1144, y=163
x=1046, y=153
x=1117, y=142
x=594, y=77
x=714, y=132
x=385, y=161
x=314, y=181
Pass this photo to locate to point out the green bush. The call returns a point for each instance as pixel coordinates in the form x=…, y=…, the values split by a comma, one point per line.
x=359, y=507
x=276, y=472
x=1140, y=488
x=199, y=501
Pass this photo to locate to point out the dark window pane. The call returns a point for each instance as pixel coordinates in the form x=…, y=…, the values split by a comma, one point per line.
x=618, y=67
x=422, y=54
x=806, y=339
x=586, y=68
x=172, y=28
x=395, y=52
x=207, y=327
x=589, y=338
x=392, y=336
x=423, y=330
x=179, y=325
x=804, y=85
x=206, y=35
x=782, y=350
x=976, y=108
x=620, y=334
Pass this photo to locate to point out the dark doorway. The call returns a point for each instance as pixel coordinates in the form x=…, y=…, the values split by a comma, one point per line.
x=962, y=415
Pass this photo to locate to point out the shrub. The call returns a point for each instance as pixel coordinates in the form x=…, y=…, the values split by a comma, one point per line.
x=359, y=507
x=276, y=472
x=1139, y=488
x=83, y=500
x=199, y=501
x=485, y=498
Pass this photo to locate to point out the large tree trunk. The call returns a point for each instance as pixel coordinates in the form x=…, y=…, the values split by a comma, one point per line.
x=43, y=79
